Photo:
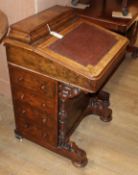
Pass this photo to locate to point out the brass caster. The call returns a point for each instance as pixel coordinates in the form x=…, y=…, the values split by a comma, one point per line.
x=80, y=164
x=19, y=137
x=106, y=119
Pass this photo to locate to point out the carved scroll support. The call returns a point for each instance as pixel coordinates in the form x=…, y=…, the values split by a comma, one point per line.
x=99, y=104
x=68, y=148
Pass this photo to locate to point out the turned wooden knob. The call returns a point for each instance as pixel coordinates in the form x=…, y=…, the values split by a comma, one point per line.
x=23, y=111
x=20, y=79
x=44, y=120
x=43, y=105
x=22, y=97
x=43, y=87
x=45, y=135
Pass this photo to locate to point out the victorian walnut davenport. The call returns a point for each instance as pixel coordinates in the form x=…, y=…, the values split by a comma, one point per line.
x=56, y=82
x=100, y=12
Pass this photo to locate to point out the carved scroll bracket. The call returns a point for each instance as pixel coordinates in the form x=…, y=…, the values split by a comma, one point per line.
x=65, y=92
x=77, y=155
x=68, y=91
x=99, y=104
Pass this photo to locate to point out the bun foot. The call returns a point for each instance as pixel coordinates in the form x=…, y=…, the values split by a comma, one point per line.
x=106, y=118
x=81, y=163
x=106, y=115
x=77, y=156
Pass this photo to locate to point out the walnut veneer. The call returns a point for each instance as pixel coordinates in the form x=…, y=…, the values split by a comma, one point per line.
x=53, y=91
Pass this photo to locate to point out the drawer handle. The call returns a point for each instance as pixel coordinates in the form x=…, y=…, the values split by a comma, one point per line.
x=26, y=125
x=22, y=97
x=45, y=135
x=44, y=120
x=43, y=87
x=23, y=111
x=20, y=79
x=43, y=105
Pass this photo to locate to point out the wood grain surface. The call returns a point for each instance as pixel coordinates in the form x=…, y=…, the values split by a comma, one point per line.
x=66, y=79
x=112, y=148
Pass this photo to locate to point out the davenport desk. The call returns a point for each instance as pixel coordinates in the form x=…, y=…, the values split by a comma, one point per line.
x=56, y=82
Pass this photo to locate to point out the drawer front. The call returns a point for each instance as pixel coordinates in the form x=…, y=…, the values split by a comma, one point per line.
x=34, y=115
x=33, y=81
x=23, y=95
x=40, y=135
x=35, y=123
x=35, y=105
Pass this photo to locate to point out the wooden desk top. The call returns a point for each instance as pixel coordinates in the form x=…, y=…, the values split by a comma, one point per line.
x=101, y=12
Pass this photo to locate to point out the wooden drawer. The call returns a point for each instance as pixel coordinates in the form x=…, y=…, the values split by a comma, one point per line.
x=34, y=115
x=33, y=81
x=35, y=123
x=23, y=95
x=27, y=129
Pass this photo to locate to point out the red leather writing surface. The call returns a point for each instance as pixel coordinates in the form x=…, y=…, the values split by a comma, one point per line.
x=86, y=44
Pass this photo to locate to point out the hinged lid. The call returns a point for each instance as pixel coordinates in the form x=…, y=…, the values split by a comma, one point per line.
x=85, y=48
x=35, y=27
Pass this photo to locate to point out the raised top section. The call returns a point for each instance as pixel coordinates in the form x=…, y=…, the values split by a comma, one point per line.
x=35, y=27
